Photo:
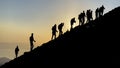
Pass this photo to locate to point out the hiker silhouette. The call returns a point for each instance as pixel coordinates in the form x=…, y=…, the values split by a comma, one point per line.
x=101, y=10
x=60, y=27
x=72, y=22
x=81, y=18
x=16, y=51
x=89, y=15
x=54, y=30
x=97, y=13
x=31, y=42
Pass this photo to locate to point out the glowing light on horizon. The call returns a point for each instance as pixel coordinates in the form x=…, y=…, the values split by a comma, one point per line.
x=20, y=18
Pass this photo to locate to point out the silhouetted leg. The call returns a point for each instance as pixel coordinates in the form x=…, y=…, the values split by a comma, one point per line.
x=52, y=37
x=79, y=22
x=102, y=13
x=83, y=21
x=55, y=36
x=15, y=55
x=31, y=47
x=71, y=27
x=59, y=32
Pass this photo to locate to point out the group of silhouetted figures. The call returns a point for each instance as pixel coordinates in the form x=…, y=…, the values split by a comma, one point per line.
x=31, y=39
x=99, y=11
x=81, y=18
x=54, y=30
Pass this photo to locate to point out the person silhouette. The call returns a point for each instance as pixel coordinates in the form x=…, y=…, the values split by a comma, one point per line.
x=54, y=30
x=16, y=51
x=31, y=42
x=80, y=18
x=72, y=22
x=97, y=13
x=102, y=8
x=89, y=15
x=60, y=26
x=83, y=18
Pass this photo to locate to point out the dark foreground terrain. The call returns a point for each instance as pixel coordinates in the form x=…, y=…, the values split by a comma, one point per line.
x=87, y=44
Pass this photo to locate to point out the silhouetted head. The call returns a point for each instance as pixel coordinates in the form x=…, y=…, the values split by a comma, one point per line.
x=102, y=5
x=31, y=34
x=55, y=24
x=83, y=11
x=62, y=23
x=73, y=20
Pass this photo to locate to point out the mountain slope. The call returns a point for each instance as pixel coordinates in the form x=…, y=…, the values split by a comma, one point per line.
x=87, y=44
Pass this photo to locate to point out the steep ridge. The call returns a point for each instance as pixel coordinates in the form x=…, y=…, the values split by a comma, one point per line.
x=87, y=44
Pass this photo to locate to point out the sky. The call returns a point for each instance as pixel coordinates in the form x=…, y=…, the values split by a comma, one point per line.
x=20, y=18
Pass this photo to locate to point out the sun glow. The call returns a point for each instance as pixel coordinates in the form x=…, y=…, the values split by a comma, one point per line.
x=20, y=18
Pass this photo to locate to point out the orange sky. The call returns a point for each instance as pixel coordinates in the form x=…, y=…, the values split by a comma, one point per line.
x=20, y=18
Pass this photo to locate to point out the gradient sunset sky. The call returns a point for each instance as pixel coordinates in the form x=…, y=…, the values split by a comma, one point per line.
x=20, y=18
